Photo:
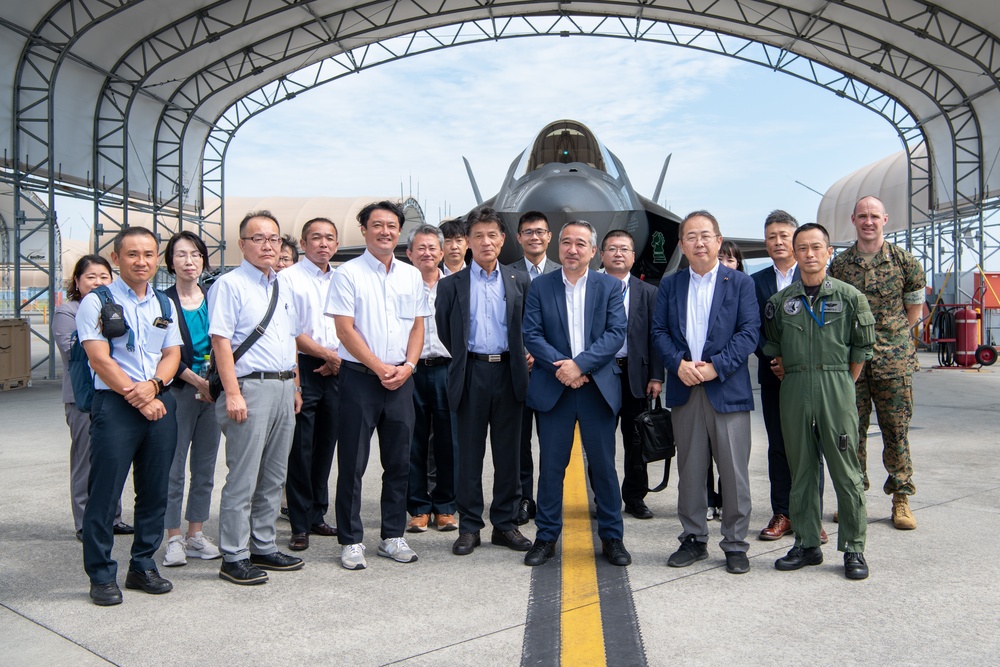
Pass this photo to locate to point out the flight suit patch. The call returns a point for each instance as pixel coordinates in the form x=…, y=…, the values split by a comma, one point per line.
x=769, y=310
x=834, y=306
x=792, y=306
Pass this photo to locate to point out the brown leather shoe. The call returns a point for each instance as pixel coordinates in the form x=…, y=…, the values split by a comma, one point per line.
x=299, y=542
x=823, y=538
x=446, y=522
x=778, y=527
x=324, y=529
x=418, y=524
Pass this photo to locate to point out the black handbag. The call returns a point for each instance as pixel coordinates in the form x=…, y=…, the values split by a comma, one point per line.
x=655, y=431
x=214, y=379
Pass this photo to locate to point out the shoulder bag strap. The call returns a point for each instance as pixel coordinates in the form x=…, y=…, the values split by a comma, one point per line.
x=260, y=328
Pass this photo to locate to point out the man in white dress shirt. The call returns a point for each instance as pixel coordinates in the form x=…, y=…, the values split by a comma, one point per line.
x=435, y=426
x=309, y=463
x=257, y=407
x=378, y=304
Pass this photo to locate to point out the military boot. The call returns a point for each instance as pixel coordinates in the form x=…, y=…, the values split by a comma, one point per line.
x=902, y=517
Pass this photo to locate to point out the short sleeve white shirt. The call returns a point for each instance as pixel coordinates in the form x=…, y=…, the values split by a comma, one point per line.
x=384, y=304
x=309, y=287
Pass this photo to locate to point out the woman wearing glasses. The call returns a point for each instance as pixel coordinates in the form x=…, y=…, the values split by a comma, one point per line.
x=197, y=429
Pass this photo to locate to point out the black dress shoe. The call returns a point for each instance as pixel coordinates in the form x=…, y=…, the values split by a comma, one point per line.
x=737, y=562
x=324, y=529
x=855, y=566
x=512, y=539
x=540, y=553
x=106, y=595
x=615, y=552
x=276, y=561
x=122, y=528
x=466, y=544
x=79, y=535
x=525, y=511
x=798, y=557
x=691, y=550
x=149, y=581
x=639, y=510
x=299, y=541
x=242, y=572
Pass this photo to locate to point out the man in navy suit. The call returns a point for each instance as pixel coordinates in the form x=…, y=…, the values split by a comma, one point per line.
x=706, y=325
x=574, y=323
x=478, y=315
x=640, y=364
x=533, y=235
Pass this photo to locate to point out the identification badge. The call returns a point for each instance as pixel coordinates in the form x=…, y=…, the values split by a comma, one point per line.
x=792, y=306
x=834, y=306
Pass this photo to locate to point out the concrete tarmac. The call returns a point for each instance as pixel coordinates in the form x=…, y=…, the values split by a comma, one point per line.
x=932, y=597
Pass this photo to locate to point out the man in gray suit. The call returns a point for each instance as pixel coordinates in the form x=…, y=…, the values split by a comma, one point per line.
x=534, y=235
x=478, y=314
x=640, y=363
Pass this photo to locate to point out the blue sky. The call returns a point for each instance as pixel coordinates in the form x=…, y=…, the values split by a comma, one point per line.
x=740, y=134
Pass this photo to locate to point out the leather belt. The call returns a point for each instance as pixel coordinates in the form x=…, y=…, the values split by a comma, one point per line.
x=492, y=358
x=621, y=361
x=361, y=368
x=434, y=361
x=280, y=375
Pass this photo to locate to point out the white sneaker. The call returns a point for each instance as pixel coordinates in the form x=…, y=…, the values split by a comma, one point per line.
x=352, y=557
x=175, y=552
x=200, y=546
x=397, y=549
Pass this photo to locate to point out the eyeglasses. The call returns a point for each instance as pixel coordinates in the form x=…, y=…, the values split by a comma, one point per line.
x=704, y=237
x=185, y=255
x=260, y=239
x=534, y=232
x=615, y=249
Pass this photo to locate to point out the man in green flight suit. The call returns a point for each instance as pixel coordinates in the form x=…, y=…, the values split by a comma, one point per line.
x=821, y=331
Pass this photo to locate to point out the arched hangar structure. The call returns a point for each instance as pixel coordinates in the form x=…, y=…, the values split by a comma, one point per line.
x=132, y=103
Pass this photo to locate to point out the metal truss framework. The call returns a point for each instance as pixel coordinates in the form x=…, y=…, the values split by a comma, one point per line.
x=352, y=39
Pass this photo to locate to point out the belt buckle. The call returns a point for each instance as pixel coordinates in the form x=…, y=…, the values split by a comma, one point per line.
x=494, y=358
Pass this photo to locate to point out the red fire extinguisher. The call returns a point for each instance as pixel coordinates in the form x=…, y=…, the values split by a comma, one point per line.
x=966, y=336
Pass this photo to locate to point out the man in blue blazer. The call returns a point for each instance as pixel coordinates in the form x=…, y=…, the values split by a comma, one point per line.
x=706, y=325
x=574, y=323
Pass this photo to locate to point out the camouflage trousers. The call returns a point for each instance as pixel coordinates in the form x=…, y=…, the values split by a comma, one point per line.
x=893, y=399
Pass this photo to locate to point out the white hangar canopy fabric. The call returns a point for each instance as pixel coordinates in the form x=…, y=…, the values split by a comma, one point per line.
x=136, y=86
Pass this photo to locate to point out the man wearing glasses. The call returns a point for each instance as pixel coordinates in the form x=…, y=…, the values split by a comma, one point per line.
x=534, y=236
x=640, y=364
x=257, y=407
x=705, y=326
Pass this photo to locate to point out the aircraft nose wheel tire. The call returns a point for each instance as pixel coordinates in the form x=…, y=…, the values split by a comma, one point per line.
x=986, y=355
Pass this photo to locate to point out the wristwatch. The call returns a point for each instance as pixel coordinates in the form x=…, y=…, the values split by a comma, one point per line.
x=159, y=385
x=413, y=367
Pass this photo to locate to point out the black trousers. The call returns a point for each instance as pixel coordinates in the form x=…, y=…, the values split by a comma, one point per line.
x=311, y=456
x=635, y=485
x=365, y=407
x=527, y=461
x=121, y=438
x=488, y=403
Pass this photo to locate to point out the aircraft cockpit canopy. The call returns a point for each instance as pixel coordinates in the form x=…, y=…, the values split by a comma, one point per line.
x=565, y=142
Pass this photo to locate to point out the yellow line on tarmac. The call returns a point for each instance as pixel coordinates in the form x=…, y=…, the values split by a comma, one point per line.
x=581, y=633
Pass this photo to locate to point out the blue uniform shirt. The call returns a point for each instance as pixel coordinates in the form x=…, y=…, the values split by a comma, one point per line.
x=139, y=364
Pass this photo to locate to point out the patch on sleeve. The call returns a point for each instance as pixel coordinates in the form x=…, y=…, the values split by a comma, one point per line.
x=792, y=306
x=769, y=310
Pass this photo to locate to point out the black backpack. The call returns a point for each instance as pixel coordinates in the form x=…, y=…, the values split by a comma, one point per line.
x=112, y=318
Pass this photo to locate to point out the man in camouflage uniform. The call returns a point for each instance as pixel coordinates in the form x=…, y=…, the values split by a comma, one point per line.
x=893, y=281
x=821, y=332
